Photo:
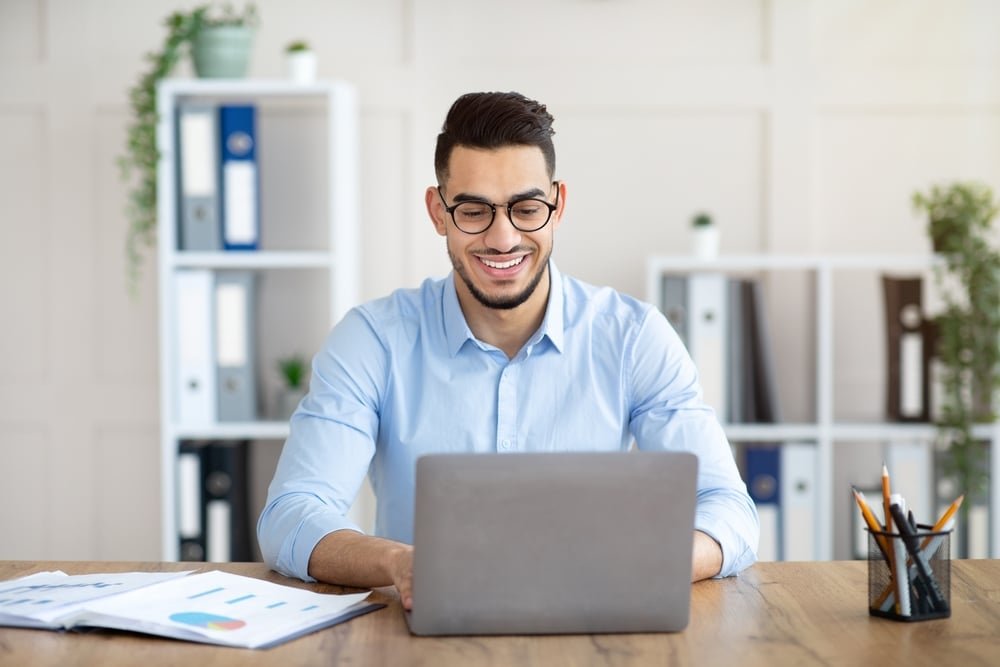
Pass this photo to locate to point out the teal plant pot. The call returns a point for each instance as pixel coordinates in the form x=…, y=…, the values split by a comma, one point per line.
x=222, y=52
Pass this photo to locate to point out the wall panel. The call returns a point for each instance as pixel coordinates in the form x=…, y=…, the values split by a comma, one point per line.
x=636, y=178
x=24, y=253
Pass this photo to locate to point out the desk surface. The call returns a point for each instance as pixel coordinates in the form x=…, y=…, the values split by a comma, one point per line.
x=772, y=614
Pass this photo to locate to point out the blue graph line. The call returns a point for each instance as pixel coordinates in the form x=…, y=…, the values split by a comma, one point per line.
x=312, y=606
x=275, y=605
x=204, y=593
x=240, y=599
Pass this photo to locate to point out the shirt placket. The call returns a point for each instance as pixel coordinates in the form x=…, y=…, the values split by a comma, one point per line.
x=507, y=409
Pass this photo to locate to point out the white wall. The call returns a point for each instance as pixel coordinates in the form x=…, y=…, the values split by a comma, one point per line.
x=804, y=126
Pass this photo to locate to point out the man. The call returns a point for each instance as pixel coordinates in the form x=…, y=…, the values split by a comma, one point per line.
x=505, y=354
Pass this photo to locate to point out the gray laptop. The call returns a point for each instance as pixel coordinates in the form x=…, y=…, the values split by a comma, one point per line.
x=552, y=543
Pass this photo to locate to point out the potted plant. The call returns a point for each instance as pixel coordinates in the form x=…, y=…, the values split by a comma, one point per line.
x=300, y=62
x=192, y=31
x=959, y=220
x=704, y=236
x=293, y=373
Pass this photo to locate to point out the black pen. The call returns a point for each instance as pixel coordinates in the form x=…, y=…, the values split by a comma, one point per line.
x=909, y=538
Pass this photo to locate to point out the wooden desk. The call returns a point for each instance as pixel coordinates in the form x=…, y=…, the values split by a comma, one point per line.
x=773, y=614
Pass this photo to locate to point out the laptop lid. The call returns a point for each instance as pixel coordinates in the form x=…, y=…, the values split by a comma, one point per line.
x=544, y=543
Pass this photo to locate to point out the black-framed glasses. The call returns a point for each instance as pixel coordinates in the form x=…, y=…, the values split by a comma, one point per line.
x=528, y=214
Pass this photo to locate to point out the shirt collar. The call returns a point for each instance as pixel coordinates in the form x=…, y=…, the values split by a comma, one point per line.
x=457, y=330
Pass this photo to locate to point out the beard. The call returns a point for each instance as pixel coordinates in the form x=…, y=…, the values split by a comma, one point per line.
x=501, y=302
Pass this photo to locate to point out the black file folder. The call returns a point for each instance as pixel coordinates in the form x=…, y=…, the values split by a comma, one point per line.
x=907, y=386
x=227, y=507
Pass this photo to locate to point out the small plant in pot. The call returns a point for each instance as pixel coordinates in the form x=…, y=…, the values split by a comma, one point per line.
x=959, y=224
x=300, y=62
x=202, y=31
x=293, y=373
x=704, y=236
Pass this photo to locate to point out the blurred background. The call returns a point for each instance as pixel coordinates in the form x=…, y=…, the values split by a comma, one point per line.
x=802, y=126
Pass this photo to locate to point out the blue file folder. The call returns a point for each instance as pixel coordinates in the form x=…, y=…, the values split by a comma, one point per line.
x=239, y=178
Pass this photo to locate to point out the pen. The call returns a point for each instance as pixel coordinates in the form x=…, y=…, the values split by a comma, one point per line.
x=899, y=566
x=929, y=547
x=909, y=540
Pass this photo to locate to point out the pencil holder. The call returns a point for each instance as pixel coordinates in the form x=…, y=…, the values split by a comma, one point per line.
x=909, y=574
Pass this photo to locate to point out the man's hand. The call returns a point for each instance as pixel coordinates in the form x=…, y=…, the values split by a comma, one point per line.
x=349, y=558
x=401, y=569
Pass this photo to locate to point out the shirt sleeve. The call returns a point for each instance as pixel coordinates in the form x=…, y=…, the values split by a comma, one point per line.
x=669, y=413
x=329, y=449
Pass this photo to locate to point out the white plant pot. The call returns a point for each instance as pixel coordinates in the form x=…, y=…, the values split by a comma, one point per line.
x=705, y=241
x=288, y=401
x=301, y=66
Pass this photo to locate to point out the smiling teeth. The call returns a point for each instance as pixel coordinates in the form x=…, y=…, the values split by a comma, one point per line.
x=502, y=265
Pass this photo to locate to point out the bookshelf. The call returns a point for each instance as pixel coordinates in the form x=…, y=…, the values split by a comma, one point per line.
x=827, y=431
x=306, y=267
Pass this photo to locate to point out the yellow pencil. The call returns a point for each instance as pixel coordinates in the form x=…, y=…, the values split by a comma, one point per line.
x=887, y=515
x=872, y=522
x=940, y=523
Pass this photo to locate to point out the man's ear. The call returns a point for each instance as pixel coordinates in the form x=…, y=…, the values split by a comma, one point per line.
x=558, y=213
x=435, y=209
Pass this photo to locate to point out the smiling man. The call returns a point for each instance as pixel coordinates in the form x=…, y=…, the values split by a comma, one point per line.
x=506, y=354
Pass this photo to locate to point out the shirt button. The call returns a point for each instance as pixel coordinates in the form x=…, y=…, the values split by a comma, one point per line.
x=505, y=444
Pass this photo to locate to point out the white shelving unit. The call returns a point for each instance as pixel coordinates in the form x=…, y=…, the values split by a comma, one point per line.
x=826, y=431
x=329, y=248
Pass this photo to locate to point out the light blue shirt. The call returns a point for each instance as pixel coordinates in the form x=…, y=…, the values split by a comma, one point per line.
x=404, y=376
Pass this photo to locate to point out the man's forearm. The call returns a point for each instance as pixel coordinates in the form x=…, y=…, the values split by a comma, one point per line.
x=707, y=557
x=350, y=558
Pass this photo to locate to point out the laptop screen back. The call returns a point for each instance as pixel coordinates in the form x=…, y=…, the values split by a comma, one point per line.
x=568, y=542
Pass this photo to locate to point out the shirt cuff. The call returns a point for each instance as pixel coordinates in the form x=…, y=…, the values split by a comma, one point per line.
x=295, y=559
x=737, y=554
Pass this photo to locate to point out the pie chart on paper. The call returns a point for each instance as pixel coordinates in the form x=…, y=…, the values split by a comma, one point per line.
x=200, y=619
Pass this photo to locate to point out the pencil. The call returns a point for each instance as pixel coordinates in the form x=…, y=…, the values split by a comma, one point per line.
x=887, y=515
x=943, y=521
x=872, y=522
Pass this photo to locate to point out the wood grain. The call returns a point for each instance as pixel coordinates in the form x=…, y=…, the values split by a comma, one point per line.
x=773, y=614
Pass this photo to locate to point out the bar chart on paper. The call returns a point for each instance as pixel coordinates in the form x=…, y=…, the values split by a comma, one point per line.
x=223, y=608
x=210, y=607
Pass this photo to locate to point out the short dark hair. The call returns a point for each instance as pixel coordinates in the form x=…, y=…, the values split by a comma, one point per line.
x=494, y=120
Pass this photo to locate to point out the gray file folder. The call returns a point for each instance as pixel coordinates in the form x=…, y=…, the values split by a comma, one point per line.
x=235, y=322
x=198, y=177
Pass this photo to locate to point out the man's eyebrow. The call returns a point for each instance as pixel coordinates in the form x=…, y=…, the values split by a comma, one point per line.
x=527, y=194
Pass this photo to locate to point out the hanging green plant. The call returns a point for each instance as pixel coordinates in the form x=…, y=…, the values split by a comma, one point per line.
x=959, y=224
x=139, y=162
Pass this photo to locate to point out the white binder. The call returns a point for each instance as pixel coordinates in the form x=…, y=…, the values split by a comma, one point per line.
x=798, y=501
x=198, y=177
x=910, y=465
x=707, y=335
x=195, y=382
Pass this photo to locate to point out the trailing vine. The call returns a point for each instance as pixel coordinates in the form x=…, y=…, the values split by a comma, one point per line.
x=968, y=329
